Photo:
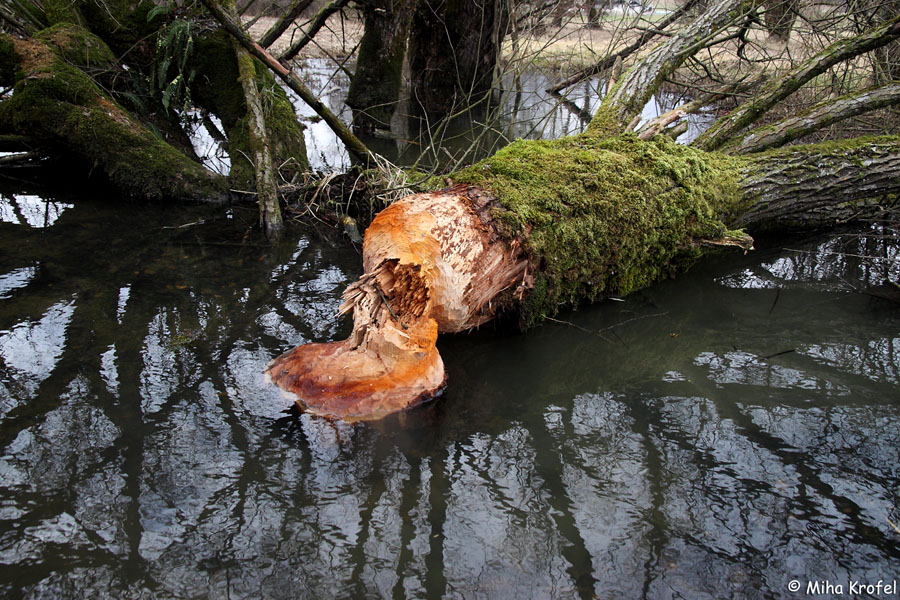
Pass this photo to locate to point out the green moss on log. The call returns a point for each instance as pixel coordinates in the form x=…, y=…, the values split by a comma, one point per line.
x=58, y=105
x=218, y=89
x=602, y=217
x=77, y=45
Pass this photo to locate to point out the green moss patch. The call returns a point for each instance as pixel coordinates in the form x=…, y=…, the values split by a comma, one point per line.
x=8, y=60
x=602, y=217
x=77, y=45
x=61, y=106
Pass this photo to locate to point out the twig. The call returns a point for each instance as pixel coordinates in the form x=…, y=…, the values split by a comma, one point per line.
x=390, y=310
x=864, y=256
x=894, y=525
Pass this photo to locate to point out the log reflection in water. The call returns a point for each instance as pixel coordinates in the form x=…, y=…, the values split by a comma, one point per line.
x=685, y=454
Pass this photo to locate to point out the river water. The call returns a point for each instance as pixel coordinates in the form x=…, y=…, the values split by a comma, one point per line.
x=719, y=435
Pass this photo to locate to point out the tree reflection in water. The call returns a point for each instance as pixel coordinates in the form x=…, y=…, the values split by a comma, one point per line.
x=724, y=434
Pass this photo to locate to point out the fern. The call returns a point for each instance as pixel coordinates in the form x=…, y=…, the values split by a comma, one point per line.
x=159, y=9
x=172, y=76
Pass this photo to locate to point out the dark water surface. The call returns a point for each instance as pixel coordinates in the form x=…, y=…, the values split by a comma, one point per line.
x=714, y=436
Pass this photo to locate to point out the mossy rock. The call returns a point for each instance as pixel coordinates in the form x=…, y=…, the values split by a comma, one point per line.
x=603, y=217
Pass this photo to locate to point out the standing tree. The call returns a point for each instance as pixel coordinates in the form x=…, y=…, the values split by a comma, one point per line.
x=454, y=48
x=376, y=84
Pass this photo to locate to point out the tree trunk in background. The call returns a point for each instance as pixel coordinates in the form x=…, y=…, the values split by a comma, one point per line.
x=779, y=18
x=218, y=89
x=454, y=47
x=377, y=82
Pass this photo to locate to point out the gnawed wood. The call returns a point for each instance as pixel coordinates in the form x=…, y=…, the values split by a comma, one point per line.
x=433, y=263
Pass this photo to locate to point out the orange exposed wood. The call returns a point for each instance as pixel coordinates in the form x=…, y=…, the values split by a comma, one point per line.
x=433, y=262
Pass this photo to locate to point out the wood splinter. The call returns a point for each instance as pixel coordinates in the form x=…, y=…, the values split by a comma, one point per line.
x=432, y=264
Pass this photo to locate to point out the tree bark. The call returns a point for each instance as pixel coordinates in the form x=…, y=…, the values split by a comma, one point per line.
x=820, y=185
x=219, y=89
x=264, y=170
x=376, y=85
x=454, y=47
x=779, y=18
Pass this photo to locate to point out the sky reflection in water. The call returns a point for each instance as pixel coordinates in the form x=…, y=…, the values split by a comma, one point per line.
x=720, y=435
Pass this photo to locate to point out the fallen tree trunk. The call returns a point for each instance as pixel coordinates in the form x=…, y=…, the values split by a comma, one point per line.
x=62, y=110
x=546, y=224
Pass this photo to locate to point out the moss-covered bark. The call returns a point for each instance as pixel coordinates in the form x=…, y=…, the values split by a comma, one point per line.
x=122, y=24
x=78, y=46
x=59, y=107
x=218, y=89
x=602, y=217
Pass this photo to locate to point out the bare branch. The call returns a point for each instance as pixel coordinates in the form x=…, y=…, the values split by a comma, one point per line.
x=317, y=24
x=283, y=22
x=624, y=53
x=782, y=87
x=632, y=92
x=353, y=144
x=819, y=116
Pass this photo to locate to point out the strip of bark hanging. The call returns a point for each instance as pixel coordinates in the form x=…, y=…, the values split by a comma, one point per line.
x=283, y=22
x=318, y=22
x=354, y=146
x=819, y=116
x=624, y=53
x=780, y=88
